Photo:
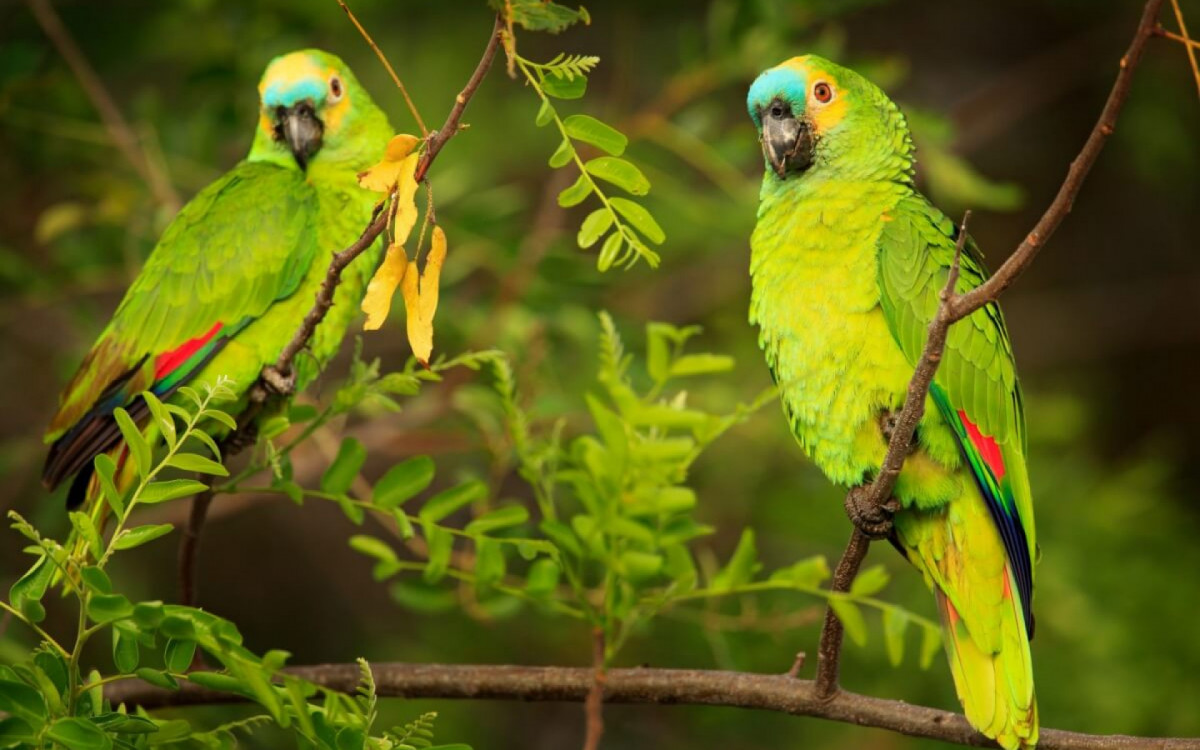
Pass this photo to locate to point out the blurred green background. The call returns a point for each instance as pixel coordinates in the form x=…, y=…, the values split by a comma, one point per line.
x=1106, y=325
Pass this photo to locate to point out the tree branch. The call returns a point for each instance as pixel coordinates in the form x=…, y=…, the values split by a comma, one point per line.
x=954, y=307
x=763, y=692
x=119, y=131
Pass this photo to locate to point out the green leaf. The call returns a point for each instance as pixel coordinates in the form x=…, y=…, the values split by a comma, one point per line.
x=542, y=578
x=162, y=417
x=345, y=467
x=742, y=565
x=562, y=536
x=83, y=525
x=440, y=544
x=14, y=731
x=148, y=615
x=124, y=652
x=545, y=114
x=931, y=639
x=402, y=482
x=78, y=734
x=700, y=364
x=806, y=574
x=171, y=489
x=594, y=226
x=619, y=172
x=609, y=251
x=601, y=135
x=108, y=607
x=447, y=501
x=96, y=580
x=640, y=218
x=564, y=88
x=575, y=194
x=895, y=623
x=372, y=547
x=500, y=518
x=562, y=155
x=640, y=565
x=220, y=416
x=351, y=509
x=135, y=440
x=31, y=587
x=870, y=581
x=197, y=463
x=217, y=681
x=178, y=655
x=157, y=678
x=540, y=15
x=851, y=617
x=106, y=469
x=139, y=535
x=19, y=699
x=489, y=562
x=419, y=596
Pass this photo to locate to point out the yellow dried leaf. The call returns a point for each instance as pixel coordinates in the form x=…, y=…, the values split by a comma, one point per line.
x=377, y=302
x=420, y=292
x=385, y=175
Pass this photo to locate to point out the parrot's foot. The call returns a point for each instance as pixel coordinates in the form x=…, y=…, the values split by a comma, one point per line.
x=281, y=384
x=888, y=422
x=245, y=436
x=875, y=521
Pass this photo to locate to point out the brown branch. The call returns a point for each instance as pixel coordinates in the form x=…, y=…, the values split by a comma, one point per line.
x=437, y=140
x=780, y=693
x=955, y=307
x=593, y=704
x=412, y=108
x=119, y=131
x=1188, y=44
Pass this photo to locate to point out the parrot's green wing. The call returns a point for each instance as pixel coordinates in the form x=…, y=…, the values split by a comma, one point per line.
x=976, y=386
x=240, y=245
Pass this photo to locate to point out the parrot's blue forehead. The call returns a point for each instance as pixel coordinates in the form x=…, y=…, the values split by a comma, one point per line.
x=288, y=93
x=784, y=82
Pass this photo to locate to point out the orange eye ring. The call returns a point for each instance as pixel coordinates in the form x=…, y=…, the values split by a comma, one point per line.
x=822, y=92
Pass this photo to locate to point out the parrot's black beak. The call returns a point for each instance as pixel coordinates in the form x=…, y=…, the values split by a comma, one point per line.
x=787, y=140
x=301, y=129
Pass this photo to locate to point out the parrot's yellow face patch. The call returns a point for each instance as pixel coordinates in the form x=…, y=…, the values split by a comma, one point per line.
x=298, y=76
x=823, y=101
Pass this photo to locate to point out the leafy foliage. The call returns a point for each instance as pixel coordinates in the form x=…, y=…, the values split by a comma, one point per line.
x=48, y=698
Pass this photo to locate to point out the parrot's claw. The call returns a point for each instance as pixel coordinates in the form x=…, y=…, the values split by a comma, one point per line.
x=278, y=382
x=243, y=437
x=873, y=520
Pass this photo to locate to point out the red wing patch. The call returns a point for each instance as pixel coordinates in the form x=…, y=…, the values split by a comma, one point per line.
x=166, y=362
x=986, y=445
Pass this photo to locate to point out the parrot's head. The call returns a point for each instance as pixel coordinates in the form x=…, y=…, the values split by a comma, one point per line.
x=312, y=109
x=815, y=117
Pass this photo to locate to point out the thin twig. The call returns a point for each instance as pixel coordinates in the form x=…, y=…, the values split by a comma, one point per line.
x=391, y=71
x=593, y=705
x=764, y=692
x=954, y=307
x=1188, y=44
x=119, y=131
x=434, y=144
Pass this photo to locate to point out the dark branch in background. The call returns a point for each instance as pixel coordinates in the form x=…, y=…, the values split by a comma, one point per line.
x=115, y=123
x=955, y=307
x=763, y=692
x=278, y=379
x=593, y=704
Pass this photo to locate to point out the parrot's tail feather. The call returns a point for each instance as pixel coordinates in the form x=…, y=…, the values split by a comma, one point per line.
x=995, y=689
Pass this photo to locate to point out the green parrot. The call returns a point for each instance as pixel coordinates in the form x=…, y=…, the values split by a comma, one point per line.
x=847, y=264
x=235, y=272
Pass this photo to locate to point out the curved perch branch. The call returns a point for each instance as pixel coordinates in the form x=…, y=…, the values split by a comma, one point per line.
x=764, y=692
x=955, y=307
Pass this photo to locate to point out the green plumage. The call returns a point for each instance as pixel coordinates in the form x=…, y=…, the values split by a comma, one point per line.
x=847, y=262
x=233, y=275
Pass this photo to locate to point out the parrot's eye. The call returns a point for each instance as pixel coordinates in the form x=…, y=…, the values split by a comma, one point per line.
x=335, y=89
x=822, y=92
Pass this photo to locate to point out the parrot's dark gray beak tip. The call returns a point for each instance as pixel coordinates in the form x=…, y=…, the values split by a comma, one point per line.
x=299, y=127
x=787, y=141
